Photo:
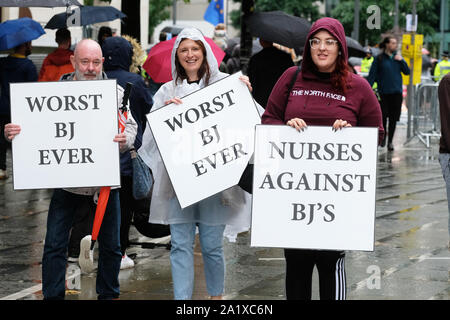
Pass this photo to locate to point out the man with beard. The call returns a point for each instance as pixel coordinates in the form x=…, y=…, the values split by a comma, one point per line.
x=14, y=68
x=88, y=63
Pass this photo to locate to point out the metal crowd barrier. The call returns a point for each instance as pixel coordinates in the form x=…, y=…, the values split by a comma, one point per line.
x=426, y=119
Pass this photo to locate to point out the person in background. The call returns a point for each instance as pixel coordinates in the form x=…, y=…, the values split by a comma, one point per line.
x=264, y=69
x=58, y=62
x=193, y=67
x=443, y=67
x=386, y=71
x=444, y=143
x=14, y=68
x=88, y=64
x=324, y=70
x=103, y=33
x=118, y=54
x=367, y=61
x=220, y=38
x=234, y=62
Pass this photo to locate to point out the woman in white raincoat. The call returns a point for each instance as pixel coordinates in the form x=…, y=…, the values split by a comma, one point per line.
x=193, y=67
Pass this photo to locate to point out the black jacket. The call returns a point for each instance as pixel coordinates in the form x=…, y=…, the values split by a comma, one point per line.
x=118, y=53
x=264, y=69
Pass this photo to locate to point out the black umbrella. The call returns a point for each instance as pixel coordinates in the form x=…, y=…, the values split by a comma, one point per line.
x=279, y=27
x=88, y=15
x=38, y=3
x=355, y=49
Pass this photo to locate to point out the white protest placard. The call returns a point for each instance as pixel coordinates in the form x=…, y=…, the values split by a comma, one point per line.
x=67, y=132
x=207, y=141
x=314, y=189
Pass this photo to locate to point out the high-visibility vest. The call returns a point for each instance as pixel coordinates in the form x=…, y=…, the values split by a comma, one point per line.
x=442, y=68
x=365, y=64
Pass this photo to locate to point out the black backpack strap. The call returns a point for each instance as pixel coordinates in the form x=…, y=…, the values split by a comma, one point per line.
x=294, y=78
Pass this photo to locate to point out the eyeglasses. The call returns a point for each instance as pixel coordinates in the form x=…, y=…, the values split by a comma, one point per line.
x=328, y=43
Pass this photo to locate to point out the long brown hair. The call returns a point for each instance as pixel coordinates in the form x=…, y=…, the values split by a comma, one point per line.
x=340, y=75
x=202, y=71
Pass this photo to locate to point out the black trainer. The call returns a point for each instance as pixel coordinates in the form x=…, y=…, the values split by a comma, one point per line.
x=390, y=147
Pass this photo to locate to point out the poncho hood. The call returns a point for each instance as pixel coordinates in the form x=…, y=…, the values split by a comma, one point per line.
x=194, y=34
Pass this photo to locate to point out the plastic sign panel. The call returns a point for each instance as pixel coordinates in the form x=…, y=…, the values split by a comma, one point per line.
x=314, y=189
x=67, y=132
x=207, y=141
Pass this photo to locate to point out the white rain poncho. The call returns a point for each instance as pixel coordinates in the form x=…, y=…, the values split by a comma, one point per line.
x=231, y=207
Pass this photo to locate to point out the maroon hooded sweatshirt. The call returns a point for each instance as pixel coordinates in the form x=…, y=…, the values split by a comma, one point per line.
x=313, y=97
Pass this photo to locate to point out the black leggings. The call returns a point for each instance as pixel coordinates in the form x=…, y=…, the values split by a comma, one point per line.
x=391, y=107
x=299, y=268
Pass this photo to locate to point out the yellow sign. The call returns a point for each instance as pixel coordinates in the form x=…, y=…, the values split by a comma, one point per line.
x=418, y=44
x=407, y=48
x=413, y=52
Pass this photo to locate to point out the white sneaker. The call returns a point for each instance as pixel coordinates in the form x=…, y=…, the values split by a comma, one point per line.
x=3, y=174
x=72, y=259
x=126, y=263
x=86, y=258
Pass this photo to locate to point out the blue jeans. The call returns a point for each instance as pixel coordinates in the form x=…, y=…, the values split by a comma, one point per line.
x=444, y=160
x=182, y=258
x=59, y=221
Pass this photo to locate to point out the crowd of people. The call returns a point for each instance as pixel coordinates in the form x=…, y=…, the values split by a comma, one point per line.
x=324, y=67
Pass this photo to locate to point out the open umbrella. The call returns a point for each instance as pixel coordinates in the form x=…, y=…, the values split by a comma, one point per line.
x=158, y=63
x=279, y=27
x=355, y=49
x=88, y=15
x=38, y=3
x=18, y=31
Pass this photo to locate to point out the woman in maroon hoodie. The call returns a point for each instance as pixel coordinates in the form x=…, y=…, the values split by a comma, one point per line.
x=325, y=93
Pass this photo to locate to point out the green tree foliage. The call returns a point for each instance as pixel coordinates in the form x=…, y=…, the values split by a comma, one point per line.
x=158, y=12
x=427, y=11
x=307, y=9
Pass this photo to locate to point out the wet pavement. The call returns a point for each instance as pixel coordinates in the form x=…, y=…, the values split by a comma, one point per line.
x=411, y=260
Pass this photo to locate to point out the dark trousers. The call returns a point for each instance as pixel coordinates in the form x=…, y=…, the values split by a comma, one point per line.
x=299, y=268
x=126, y=211
x=4, y=119
x=82, y=224
x=60, y=218
x=129, y=206
x=391, y=107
